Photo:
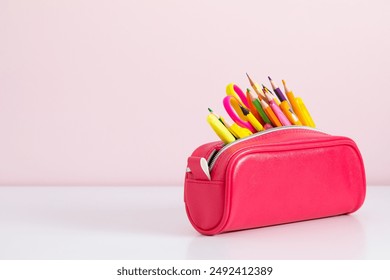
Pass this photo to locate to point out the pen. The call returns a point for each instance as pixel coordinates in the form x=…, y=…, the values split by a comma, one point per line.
x=277, y=90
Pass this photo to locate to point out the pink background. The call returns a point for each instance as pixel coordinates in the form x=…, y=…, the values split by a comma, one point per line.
x=116, y=92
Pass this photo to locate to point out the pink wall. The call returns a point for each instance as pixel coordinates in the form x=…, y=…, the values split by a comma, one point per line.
x=117, y=92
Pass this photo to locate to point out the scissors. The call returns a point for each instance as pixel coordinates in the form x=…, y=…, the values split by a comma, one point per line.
x=233, y=102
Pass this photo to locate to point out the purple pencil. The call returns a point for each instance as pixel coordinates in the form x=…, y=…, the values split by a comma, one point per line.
x=277, y=90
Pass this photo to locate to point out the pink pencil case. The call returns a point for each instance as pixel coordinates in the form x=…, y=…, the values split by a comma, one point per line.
x=277, y=176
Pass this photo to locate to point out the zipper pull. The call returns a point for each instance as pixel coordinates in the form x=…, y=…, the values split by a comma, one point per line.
x=198, y=169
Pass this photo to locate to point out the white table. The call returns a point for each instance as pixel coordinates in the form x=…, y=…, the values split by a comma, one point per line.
x=150, y=223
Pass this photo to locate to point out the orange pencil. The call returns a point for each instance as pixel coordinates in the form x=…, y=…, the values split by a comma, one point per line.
x=289, y=113
x=270, y=114
x=252, y=107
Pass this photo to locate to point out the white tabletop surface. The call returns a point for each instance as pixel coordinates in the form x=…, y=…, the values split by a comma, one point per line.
x=150, y=223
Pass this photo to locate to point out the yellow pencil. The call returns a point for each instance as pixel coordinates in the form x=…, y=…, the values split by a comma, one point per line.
x=305, y=112
x=251, y=118
x=294, y=104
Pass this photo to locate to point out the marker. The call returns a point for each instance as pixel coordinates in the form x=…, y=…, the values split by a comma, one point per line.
x=271, y=115
x=223, y=133
x=277, y=90
x=279, y=114
x=253, y=121
x=256, y=89
x=294, y=104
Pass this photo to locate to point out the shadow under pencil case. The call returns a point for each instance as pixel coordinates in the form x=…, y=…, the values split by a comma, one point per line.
x=276, y=176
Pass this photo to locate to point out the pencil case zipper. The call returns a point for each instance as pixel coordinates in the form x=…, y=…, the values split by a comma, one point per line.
x=220, y=150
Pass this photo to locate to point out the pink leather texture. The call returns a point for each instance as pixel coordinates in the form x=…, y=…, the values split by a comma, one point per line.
x=283, y=176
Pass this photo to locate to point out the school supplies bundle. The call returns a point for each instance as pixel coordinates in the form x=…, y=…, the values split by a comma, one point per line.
x=271, y=167
x=255, y=112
